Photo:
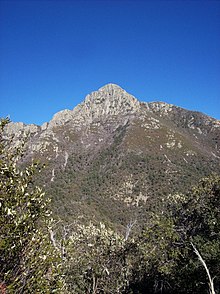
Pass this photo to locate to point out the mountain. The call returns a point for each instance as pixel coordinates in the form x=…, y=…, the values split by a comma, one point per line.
x=113, y=157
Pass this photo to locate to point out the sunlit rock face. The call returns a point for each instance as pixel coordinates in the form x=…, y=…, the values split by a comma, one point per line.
x=108, y=102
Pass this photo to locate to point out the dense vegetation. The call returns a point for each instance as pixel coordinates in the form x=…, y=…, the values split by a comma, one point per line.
x=41, y=255
x=26, y=253
x=122, y=176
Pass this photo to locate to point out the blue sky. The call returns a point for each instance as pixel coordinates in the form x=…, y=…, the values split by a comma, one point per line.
x=53, y=53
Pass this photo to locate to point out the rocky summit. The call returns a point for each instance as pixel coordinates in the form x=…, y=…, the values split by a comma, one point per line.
x=112, y=156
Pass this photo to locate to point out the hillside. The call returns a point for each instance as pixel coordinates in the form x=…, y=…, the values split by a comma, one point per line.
x=112, y=156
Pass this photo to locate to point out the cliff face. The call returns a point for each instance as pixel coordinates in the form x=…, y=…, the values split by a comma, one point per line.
x=108, y=101
x=112, y=156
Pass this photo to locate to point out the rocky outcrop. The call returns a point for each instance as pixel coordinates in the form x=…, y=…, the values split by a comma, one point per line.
x=17, y=129
x=108, y=102
x=60, y=118
x=160, y=107
x=184, y=118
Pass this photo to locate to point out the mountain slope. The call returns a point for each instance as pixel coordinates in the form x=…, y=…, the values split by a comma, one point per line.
x=112, y=156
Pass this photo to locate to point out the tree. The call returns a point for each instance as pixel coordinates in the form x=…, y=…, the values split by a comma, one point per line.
x=28, y=261
x=97, y=260
x=185, y=219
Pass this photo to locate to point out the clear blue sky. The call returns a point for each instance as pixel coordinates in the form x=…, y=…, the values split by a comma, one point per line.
x=53, y=53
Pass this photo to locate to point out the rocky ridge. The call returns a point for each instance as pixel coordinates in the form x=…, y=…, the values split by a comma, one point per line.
x=113, y=101
x=109, y=101
x=108, y=108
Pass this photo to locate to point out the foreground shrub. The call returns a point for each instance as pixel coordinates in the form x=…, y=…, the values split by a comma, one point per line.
x=28, y=261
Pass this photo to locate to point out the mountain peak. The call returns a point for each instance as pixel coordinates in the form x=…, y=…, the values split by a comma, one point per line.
x=107, y=102
x=110, y=87
x=111, y=99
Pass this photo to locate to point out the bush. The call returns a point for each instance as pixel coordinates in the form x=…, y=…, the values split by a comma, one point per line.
x=28, y=261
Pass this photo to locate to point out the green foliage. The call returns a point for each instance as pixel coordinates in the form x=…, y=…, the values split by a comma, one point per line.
x=28, y=261
x=97, y=261
x=166, y=242
x=95, y=258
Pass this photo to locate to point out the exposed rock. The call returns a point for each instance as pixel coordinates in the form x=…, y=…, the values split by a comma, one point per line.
x=162, y=107
x=44, y=126
x=19, y=127
x=14, y=128
x=108, y=101
x=61, y=118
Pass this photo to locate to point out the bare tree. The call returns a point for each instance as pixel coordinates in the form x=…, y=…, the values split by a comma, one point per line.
x=129, y=228
x=211, y=284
